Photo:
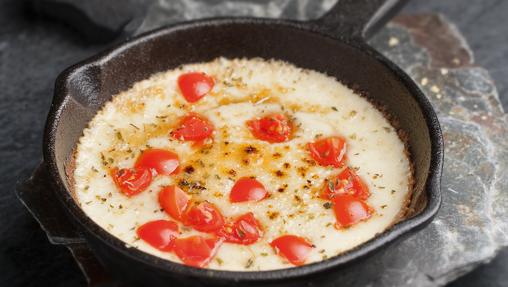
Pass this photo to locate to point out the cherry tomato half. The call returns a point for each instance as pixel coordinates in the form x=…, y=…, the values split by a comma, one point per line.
x=204, y=217
x=247, y=189
x=350, y=210
x=196, y=250
x=244, y=230
x=347, y=182
x=159, y=233
x=330, y=151
x=131, y=181
x=193, y=127
x=161, y=161
x=195, y=85
x=295, y=249
x=174, y=201
x=274, y=128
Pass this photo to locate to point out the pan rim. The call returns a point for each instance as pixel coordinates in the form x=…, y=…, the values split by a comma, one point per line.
x=432, y=185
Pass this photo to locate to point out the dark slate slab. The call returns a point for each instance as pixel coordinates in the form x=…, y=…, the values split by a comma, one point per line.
x=469, y=230
x=97, y=20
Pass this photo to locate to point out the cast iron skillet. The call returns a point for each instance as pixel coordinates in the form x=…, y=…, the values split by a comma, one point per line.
x=334, y=44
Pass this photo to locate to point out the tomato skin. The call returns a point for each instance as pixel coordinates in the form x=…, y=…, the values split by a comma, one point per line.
x=245, y=230
x=273, y=128
x=330, y=151
x=193, y=127
x=131, y=181
x=350, y=210
x=294, y=248
x=195, y=85
x=159, y=234
x=346, y=182
x=247, y=189
x=160, y=161
x=174, y=201
x=196, y=250
x=204, y=217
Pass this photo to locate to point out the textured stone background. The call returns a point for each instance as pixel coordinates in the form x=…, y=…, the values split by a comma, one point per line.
x=34, y=51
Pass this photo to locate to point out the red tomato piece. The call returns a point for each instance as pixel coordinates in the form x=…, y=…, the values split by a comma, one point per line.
x=347, y=182
x=204, y=217
x=350, y=210
x=247, y=189
x=160, y=161
x=159, y=233
x=274, y=128
x=196, y=250
x=195, y=85
x=295, y=249
x=330, y=151
x=131, y=181
x=244, y=230
x=174, y=201
x=193, y=127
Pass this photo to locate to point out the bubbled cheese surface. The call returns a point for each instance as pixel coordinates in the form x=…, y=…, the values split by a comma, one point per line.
x=319, y=106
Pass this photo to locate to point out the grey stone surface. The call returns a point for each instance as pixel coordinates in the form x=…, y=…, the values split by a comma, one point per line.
x=485, y=26
x=99, y=21
x=33, y=52
x=471, y=226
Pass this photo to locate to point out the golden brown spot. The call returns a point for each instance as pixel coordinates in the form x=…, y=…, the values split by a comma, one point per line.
x=272, y=214
x=309, y=161
x=282, y=188
x=250, y=150
x=189, y=169
x=302, y=171
x=192, y=187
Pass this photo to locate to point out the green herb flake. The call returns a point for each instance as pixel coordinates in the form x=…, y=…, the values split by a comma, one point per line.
x=249, y=263
x=331, y=185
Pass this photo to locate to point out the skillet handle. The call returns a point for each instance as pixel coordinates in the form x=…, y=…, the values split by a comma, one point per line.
x=358, y=19
x=37, y=195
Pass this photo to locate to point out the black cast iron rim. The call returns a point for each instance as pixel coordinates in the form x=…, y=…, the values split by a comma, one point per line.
x=432, y=185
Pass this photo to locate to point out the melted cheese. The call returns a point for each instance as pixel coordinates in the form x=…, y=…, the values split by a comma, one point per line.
x=144, y=115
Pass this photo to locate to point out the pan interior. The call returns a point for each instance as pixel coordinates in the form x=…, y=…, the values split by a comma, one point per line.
x=90, y=87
